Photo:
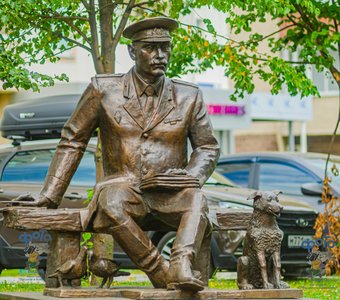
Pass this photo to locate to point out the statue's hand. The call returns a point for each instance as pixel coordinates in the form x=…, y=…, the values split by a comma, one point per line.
x=177, y=172
x=33, y=200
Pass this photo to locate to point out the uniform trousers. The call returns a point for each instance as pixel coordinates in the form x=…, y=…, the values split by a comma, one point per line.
x=122, y=210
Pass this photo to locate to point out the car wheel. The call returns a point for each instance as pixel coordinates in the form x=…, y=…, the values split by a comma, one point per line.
x=294, y=273
x=42, y=273
x=165, y=244
x=212, y=269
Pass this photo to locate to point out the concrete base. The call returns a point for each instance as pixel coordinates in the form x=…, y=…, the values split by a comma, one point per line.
x=40, y=296
x=152, y=294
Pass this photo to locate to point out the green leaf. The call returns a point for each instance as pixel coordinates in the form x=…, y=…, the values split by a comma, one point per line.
x=86, y=236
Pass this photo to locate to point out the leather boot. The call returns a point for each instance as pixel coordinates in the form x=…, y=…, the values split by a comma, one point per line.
x=159, y=276
x=141, y=251
x=191, y=232
x=181, y=276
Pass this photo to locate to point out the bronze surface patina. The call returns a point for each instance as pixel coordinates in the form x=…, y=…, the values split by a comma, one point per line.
x=104, y=268
x=71, y=269
x=260, y=265
x=146, y=121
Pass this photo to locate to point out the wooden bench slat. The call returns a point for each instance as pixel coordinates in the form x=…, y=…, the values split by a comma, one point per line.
x=68, y=220
x=233, y=219
x=42, y=218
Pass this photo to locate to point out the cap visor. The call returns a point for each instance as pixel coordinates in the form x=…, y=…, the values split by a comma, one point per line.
x=154, y=39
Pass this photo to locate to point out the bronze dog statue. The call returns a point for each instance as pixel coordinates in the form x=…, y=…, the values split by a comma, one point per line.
x=260, y=265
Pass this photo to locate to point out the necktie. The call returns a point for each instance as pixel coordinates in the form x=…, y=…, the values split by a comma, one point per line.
x=149, y=104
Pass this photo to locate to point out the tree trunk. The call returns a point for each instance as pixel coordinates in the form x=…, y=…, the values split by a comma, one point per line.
x=103, y=245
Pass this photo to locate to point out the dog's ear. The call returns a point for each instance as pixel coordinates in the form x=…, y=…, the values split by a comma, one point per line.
x=277, y=192
x=255, y=196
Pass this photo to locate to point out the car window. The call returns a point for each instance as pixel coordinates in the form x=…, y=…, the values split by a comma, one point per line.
x=32, y=166
x=28, y=166
x=283, y=177
x=236, y=172
x=2, y=157
x=86, y=172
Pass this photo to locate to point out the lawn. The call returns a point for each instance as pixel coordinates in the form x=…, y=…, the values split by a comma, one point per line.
x=327, y=288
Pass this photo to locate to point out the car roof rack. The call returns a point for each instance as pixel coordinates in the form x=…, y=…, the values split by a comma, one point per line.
x=17, y=139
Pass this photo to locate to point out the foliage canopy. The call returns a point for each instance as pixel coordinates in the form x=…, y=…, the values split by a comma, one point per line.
x=33, y=32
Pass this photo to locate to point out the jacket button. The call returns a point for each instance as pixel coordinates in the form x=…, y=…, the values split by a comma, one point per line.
x=145, y=135
x=144, y=171
x=144, y=152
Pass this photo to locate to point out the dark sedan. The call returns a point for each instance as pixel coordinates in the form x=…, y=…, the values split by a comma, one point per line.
x=299, y=175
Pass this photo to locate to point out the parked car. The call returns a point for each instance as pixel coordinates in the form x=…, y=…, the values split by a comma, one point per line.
x=24, y=167
x=299, y=175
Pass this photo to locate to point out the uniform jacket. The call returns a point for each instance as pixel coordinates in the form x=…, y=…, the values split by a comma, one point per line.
x=133, y=147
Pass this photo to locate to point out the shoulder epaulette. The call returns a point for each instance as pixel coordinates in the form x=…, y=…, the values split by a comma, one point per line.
x=99, y=77
x=175, y=80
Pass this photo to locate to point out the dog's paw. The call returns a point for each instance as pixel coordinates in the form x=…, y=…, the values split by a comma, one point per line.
x=268, y=286
x=284, y=285
x=246, y=286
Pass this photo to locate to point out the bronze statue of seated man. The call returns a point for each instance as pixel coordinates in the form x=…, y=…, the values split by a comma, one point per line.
x=145, y=121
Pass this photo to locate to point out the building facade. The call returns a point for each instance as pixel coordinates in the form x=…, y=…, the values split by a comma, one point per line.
x=259, y=122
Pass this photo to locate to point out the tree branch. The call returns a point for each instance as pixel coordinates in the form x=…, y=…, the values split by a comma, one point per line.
x=189, y=25
x=113, y=5
x=122, y=23
x=79, y=31
x=94, y=39
x=76, y=43
x=156, y=12
x=86, y=5
x=336, y=30
x=271, y=34
x=206, y=31
x=334, y=71
x=336, y=75
x=60, y=17
x=287, y=61
x=143, y=3
x=304, y=17
x=293, y=21
x=60, y=52
x=331, y=143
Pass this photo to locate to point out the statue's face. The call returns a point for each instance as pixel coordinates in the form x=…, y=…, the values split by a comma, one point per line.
x=151, y=59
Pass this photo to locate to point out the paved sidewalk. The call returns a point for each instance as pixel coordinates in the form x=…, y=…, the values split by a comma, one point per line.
x=132, y=277
x=21, y=279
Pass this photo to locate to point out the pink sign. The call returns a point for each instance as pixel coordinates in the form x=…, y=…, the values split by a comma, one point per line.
x=220, y=109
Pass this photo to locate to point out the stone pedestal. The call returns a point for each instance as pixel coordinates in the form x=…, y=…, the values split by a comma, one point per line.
x=162, y=294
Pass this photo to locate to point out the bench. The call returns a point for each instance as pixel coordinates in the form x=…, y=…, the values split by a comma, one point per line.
x=65, y=227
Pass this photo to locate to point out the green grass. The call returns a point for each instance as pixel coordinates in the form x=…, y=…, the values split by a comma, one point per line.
x=21, y=272
x=328, y=288
x=21, y=287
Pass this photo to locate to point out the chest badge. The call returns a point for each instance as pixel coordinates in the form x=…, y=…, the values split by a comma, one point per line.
x=118, y=116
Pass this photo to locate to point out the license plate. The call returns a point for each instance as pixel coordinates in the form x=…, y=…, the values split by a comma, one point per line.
x=295, y=241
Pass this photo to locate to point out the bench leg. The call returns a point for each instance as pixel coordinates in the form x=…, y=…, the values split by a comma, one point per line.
x=63, y=246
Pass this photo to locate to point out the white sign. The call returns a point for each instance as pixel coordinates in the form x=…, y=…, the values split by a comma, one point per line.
x=282, y=107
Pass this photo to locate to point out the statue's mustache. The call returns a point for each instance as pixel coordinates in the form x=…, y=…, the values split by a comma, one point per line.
x=159, y=62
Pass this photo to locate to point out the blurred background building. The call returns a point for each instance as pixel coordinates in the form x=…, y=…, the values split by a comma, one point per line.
x=259, y=122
